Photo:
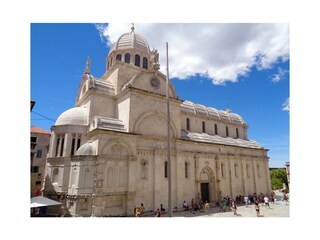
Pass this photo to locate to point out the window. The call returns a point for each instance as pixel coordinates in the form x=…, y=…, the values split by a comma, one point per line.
x=166, y=169
x=72, y=146
x=35, y=169
x=248, y=170
x=137, y=60
x=258, y=170
x=145, y=63
x=237, y=132
x=127, y=58
x=188, y=124
x=203, y=126
x=39, y=153
x=61, y=148
x=227, y=131
x=33, y=141
x=186, y=170
x=78, y=143
x=236, y=170
x=222, y=170
x=57, y=146
x=38, y=182
x=215, y=129
x=118, y=57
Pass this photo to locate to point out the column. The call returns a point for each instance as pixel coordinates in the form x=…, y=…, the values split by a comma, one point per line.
x=53, y=142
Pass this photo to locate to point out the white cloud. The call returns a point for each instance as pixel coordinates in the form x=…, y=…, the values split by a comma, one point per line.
x=281, y=73
x=222, y=52
x=286, y=105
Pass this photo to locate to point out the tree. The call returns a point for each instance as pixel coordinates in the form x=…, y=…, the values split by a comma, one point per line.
x=278, y=177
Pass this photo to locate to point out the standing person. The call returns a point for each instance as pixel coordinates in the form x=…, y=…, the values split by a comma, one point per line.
x=193, y=203
x=246, y=199
x=256, y=205
x=162, y=209
x=266, y=202
x=141, y=210
x=206, y=207
x=234, y=207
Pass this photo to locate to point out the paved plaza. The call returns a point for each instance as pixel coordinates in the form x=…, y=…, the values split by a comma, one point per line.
x=280, y=209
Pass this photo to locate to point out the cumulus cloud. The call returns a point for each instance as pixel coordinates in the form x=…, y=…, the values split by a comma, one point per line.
x=286, y=105
x=220, y=52
x=280, y=75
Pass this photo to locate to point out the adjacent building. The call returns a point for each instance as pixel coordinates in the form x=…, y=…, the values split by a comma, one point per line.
x=109, y=154
x=39, y=144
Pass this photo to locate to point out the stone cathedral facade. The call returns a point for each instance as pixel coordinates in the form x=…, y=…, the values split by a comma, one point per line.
x=108, y=154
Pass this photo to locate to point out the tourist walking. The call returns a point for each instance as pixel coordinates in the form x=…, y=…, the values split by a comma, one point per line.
x=246, y=200
x=193, y=203
x=234, y=207
x=256, y=205
x=266, y=202
x=206, y=207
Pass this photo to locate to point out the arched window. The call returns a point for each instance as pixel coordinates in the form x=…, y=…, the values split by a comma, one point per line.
x=259, y=171
x=203, y=126
x=118, y=57
x=215, y=129
x=236, y=170
x=237, y=132
x=127, y=58
x=137, y=60
x=227, y=131
x=145, y=63
x=248, y=170
x=188, y=124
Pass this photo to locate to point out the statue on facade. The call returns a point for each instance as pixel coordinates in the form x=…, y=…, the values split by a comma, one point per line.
x=154, y=60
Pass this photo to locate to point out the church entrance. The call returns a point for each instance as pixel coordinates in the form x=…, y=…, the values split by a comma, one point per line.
x=205, y=192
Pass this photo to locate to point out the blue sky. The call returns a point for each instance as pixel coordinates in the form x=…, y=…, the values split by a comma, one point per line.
x=257, y=89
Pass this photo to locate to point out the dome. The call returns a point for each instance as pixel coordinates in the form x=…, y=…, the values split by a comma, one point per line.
x=131, y=40
x=86, y=149
x=73, y=116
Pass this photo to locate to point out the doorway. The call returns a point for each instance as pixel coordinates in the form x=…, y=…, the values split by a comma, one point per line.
x=205, y=192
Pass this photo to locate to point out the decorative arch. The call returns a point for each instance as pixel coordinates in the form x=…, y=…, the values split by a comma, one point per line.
x=117, y=147
x=149, y=114
x=137, y=77
x=207, y=170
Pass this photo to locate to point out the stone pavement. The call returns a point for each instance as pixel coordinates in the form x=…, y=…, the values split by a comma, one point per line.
x=280, y=209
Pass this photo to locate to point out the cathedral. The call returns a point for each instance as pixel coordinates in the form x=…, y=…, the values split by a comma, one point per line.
x=109, y=153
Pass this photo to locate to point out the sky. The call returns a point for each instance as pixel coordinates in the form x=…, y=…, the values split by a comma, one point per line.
x=243, y=67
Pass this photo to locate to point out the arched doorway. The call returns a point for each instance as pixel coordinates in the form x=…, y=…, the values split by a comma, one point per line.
x=207, y=186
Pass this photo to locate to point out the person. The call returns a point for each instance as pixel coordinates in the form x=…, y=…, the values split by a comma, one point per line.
x=223, y=205
x=246, y=200
x=162, y=209
x=158, y=213
x=266, y=202
x=137, y=213
x=185, y=206
x=256, y=205
x=206, y=207
x=193, y=203
x=234, y=207
x=141, y=210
